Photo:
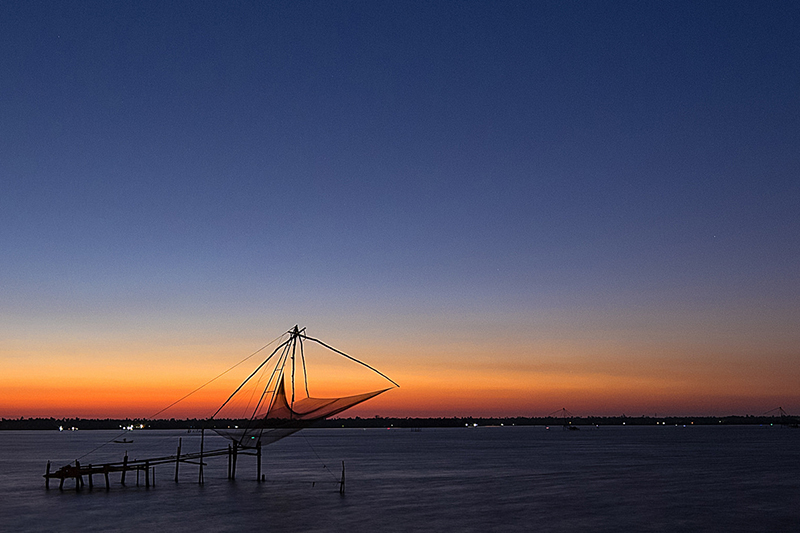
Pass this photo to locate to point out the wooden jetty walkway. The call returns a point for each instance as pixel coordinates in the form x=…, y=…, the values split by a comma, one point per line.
x=77, y=471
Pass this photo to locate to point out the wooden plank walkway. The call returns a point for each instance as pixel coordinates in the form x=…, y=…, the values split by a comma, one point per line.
x=77, y=471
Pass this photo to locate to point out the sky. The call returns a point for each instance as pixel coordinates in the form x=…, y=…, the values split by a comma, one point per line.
x=507, y=207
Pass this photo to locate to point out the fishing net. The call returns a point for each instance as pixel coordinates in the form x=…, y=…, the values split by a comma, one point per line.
x=274, y=415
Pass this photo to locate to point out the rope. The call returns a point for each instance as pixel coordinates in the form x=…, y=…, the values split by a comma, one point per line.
x=246, y=380
x=185, y=396
x=324, y=466
x=305, y=373
x=393, y=382
x=216, y=378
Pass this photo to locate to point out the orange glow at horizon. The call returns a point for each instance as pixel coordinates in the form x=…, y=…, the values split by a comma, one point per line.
x=442, y=381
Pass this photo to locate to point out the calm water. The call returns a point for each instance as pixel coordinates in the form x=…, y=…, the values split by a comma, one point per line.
x=472, y=479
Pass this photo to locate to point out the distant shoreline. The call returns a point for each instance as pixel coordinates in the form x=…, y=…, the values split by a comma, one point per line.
x=383, y=422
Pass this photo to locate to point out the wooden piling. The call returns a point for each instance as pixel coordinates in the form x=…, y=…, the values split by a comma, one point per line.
x=258, y=458
x=178, y=459
x=105, y=475
x=89, y=475
x=124, y=468
x=230, y=459
x=47, y=477
x=147, y=474
x=202, y=439
x=341, y=483
x=233, y=467
x=78, y=476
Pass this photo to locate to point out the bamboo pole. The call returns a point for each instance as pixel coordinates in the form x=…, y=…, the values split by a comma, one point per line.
x=78, y=476
x=178, y=459
x=124, y=468
x=258, y=457
x=233, y=467
x=202, y=438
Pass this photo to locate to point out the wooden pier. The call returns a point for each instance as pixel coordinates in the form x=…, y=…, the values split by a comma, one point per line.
x=147, y=467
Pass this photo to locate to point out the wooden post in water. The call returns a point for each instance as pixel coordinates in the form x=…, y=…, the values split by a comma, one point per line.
x=47, y=477
x=89, y=475
x=235, y=451
x=78, y=476
x=105, y=474
x=147, y=474
x=230, y=456
x=341, y=483
x=202, y=437
x=178, y=459
x=124, y=468
x=258, y=457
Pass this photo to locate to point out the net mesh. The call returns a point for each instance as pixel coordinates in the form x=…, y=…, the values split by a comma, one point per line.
x=284, y=418
x=274, y=415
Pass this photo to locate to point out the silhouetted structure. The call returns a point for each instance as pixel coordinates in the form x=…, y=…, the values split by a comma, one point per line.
x=273, y=417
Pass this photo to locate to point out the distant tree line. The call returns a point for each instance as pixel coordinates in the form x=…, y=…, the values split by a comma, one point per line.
x=190, y=424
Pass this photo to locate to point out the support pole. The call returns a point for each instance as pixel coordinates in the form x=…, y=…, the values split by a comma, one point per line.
x=105, y=474
x=258, y=457
x=178, y=459
x=230, y=459
x=341, y=483
x=47, y=477
x=147, y=474
x=235, y=452
x=202, y=439
x=89, y=475
x=78, y=476
x=124, y=468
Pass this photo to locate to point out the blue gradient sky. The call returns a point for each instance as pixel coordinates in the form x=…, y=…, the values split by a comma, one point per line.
x=581, y=204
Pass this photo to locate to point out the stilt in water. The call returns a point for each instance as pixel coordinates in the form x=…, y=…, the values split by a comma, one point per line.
x=202, y=439
x=147, y=474
x=105, y=474
x=78, y=476
x=233, y=467
x=258, y=457
x=341, y=483
x=47, y=477
x=124, y=468
x=230, y=460
x=178, y=459
x=89, y=475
